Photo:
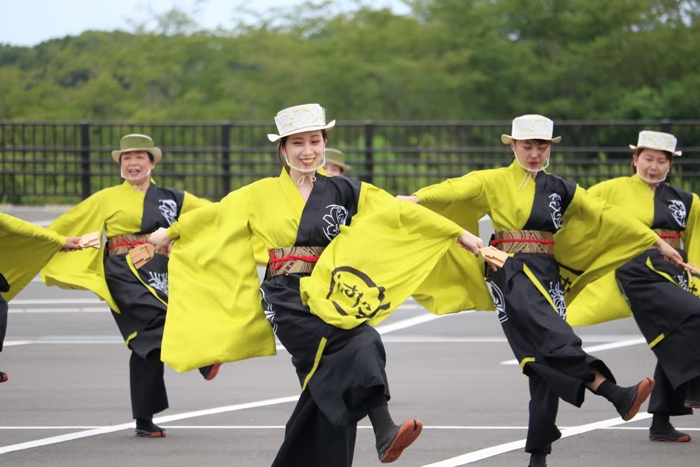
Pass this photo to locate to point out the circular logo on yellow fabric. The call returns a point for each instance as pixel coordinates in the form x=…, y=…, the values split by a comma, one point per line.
x=353, y=293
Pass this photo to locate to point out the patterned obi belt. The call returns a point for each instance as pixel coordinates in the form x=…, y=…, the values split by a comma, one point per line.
x=121, y=244
x=670, y=236
x=524, y=241
x=292, y=260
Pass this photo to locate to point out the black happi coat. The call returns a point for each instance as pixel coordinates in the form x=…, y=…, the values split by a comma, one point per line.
x=142, y=294
x=659, y=293
x=538, y=274
x=339, y=367
x=138, y=298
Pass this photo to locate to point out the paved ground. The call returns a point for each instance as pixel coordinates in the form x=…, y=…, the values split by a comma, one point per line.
x=67, y=402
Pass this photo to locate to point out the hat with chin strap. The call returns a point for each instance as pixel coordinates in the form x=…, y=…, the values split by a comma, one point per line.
x=300, y=119
x=657, y=140
x=531, y=127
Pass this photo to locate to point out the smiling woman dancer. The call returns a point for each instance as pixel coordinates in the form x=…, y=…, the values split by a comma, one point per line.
x=659, y=293
x=127, y=214
x=24, y=249
x=343, y=255
x=543, y=221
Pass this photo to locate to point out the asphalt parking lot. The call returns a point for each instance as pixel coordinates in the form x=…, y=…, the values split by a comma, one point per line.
x=67, y=400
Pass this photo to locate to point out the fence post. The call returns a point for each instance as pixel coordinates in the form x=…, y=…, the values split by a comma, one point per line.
x=369, y=152
x=85, y=158
x=225, y=158
x=666, y=125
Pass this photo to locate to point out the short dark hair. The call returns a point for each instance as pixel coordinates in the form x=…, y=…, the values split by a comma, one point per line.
x=538, y=142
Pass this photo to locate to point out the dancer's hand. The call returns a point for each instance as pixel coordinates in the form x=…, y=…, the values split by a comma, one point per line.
x=470, y=242
x=412, y=198
x=159, y=238
x=670, y=253
x=72, y=244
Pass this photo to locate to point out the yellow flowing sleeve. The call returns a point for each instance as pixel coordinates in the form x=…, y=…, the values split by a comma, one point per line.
x=600, y=190
x=260, y=252
x=82, y=269
x=214, y=308
x=462, y=200
x=192, y=202
x=596, y=238
x=24, y=249
x=600, y=300
x=378, y=261
x=457, y=281
x=691, y=239
x=174, y=231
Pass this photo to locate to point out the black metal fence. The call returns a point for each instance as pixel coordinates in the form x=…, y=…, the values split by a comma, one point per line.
x=65, y=162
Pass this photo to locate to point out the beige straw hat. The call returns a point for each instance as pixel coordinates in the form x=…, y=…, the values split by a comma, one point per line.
x=137, y=142
x=531, y=127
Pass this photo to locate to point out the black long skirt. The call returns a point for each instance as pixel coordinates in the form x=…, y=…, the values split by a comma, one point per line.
x=659, y=305
x=141, y=322
x=666, y=312
x=547, y=348
x=141, y=319
x=539, y=335
x=339, y=371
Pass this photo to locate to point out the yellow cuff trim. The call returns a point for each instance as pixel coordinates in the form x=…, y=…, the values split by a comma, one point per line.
x=656, y=341
x=317, y=360
x=136, y=273
x=131, y=337
x=525, y=361
x=661, y=273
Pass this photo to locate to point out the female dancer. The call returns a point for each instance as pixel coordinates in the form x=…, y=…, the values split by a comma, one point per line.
x=127, y=214
x=343, y=255
x=24, y=249
x=659, y=293
x=543, y=221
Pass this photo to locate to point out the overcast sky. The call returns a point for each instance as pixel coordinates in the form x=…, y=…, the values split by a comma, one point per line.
x=29, y=22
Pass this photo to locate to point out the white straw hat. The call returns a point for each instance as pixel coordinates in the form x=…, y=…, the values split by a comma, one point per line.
x=298, y=119
x=657, y=140
x=531, y=127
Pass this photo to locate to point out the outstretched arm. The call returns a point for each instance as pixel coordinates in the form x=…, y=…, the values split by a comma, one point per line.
x=467, y=240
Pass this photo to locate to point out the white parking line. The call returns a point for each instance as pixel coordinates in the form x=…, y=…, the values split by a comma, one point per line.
x=406, y=339
x=57, y=301
x=253, y=427
x=361, y=427
x=60, y=310
x=599, y=348
x=72, y=341
x=421, y=339
x=158, y=420
x=407, y=323
x=199, y=413
x=520, y=444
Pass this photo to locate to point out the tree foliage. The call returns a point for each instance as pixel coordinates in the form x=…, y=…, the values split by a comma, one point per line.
x=447, y=59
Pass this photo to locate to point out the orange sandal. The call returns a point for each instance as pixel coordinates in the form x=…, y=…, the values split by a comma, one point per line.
x=405, y=436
